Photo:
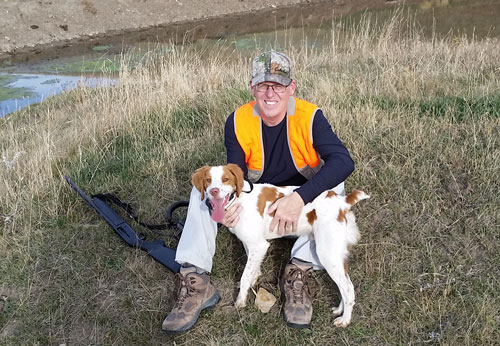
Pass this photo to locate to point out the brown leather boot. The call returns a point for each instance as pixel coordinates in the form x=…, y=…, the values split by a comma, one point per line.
x=195, y=293
x=297, y=311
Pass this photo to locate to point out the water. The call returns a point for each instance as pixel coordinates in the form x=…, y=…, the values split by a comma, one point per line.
x=478, y=19
x=35, y=88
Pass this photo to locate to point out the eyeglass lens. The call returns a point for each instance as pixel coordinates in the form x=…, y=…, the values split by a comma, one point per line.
x=277, y=88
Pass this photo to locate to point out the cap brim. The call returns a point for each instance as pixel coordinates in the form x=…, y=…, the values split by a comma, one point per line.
x=271, y=78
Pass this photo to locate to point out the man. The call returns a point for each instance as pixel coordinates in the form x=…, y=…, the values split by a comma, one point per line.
x=276, y=139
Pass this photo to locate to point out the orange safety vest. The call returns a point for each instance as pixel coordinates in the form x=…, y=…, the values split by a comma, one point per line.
x=300, y=115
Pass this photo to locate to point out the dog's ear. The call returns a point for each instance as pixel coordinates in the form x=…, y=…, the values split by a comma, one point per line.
x=198, y=179
x=238, y=176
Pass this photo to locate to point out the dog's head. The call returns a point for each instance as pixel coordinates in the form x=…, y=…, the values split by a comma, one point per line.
x=219, y=184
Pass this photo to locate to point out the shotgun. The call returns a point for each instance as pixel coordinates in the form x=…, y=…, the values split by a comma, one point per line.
x=156, y=249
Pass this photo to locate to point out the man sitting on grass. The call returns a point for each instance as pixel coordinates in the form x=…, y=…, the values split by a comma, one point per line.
x=267, y=138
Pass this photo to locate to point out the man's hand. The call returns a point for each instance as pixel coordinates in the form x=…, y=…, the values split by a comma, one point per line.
x=287, y=214
x=232, y=215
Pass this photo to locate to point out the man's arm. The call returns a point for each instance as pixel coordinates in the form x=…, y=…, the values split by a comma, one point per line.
x=338, y=163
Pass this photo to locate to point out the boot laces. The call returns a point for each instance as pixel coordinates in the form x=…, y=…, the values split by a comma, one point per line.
x=298, y=280
x=185, y=289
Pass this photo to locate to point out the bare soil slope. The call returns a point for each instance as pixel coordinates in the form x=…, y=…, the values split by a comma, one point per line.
x=36, y=29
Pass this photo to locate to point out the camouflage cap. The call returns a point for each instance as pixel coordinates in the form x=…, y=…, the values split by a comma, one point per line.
x=272, y=66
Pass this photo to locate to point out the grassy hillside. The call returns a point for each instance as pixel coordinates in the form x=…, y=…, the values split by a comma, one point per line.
x=420, y=118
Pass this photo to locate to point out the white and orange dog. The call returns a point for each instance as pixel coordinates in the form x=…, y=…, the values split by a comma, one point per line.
x=328, y=217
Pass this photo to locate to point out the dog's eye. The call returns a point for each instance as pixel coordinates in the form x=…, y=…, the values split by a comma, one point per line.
x=209, y=180
x=225, y=180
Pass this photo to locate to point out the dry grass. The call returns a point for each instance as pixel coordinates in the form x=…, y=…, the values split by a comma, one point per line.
x=420, y=118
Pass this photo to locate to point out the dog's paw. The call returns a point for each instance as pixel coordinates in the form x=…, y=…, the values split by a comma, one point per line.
x=240, y=303
x=337, y=311
x=341, y=322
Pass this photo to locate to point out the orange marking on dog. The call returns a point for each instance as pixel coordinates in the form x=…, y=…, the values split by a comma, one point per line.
x=279, y=196
x=352, y=198
x=341, y=216
x=233, y=175
x=268, y=194
x=199, y=180
x=331, y=194
x=311, y=216
x=228, y=178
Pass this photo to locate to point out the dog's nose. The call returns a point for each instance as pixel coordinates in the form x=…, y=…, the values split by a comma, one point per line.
x=214, y=192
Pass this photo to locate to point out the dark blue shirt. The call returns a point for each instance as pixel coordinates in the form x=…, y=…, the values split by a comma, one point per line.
x=279, y=168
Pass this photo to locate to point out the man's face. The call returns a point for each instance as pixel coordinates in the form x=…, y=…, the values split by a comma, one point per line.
x=272, y=105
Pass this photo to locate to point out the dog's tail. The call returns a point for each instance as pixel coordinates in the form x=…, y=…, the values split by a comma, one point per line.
x=356, y=196
x=350, y=200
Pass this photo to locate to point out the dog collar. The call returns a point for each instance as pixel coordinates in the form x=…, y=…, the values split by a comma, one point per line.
x=250, y=186
x=232, y=198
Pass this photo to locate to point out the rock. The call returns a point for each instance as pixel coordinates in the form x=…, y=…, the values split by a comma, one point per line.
x=264, y=300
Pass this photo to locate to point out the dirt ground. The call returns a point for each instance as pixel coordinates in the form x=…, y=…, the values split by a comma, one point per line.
x=39, y=29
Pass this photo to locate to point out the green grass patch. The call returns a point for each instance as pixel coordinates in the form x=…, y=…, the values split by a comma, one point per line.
x=453, y=107
x=461, y=108
x=52, y=81
x=7, y=93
